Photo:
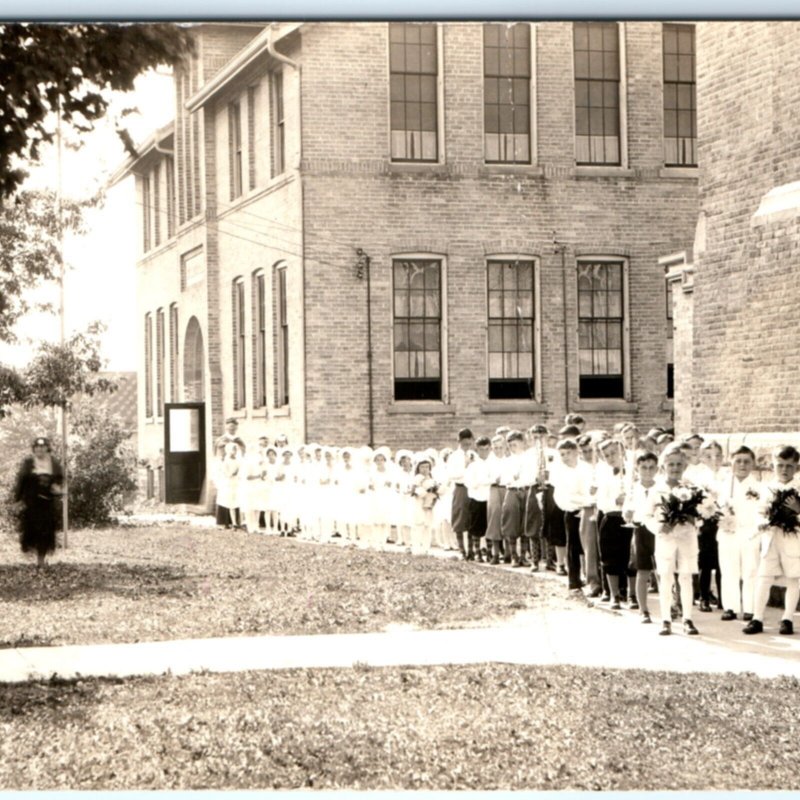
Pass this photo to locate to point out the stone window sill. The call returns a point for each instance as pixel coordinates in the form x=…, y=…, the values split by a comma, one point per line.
x=282, y=411
x=421, y=407
x=586, y=171
x=606, y=405
x=513, y=406
x=684, y=173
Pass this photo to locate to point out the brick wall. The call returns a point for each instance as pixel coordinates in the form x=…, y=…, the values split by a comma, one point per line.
x=465, y=211
x=746, y=289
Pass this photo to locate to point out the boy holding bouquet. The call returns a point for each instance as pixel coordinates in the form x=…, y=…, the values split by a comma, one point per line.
x=780, y=541
x=672, y=513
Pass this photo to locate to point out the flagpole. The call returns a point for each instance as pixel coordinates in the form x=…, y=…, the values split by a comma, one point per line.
x=64, y=413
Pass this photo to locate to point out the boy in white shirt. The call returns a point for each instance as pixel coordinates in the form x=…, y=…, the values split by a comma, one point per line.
x=456, y=469
x=644, y=541
x=497, y=492
x=536, y=472
x=572, y=484
x=512, y=520
x=737, y=537
x=780, y=551
x=478, y=478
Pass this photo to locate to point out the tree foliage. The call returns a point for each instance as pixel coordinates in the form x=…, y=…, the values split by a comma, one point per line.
x=30, y=252
x=43, y=66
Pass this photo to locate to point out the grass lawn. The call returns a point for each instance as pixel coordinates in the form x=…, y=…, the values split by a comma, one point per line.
x=171, y=582
x=465, y=727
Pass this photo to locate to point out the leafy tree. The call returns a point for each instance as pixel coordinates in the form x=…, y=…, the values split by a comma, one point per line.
x=30, y=253
x=44, y=66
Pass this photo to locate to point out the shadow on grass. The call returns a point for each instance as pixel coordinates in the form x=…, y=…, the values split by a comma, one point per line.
x=62, y=581
x=42, y=701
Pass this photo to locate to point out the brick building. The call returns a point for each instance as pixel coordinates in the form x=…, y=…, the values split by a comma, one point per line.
x=505, y=191
x=740, y=367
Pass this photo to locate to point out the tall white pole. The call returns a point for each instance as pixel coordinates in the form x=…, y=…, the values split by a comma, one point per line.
x=64, y=413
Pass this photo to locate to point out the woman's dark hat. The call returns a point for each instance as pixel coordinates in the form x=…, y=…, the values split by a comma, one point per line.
x=41, y=441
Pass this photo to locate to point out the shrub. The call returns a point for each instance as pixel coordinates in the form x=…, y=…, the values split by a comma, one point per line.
x=102, y=467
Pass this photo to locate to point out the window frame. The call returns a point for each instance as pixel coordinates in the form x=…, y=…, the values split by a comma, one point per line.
x=160, y=353
x=281, y=326
x=258, y=292
x=238, y=319
x=277, y=109
x=537, y=324
x=532, y=115
x=146, y=210
x=584, y=258
x=693, y=28
x=235, y=151
x=174, y=352
x=443, y=398
x=440, y=116
x=623, y=104
x=148, y=365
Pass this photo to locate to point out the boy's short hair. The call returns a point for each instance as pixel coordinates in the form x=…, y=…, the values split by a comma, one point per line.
x=787, y=452
x=684, y=446
x=515, y=436
x=483, y=441
x=584, y=441
x=498, y=437
x=744, y=450
x=574, y=419
x=502, y=430
x=645, y=455
x=712, y=445
x=538, y=429
x=664, y=438
x=606, y=443
x=569, y=431
x=567, y=444
x=671, y=450
x=465, y=433
x=689, y=436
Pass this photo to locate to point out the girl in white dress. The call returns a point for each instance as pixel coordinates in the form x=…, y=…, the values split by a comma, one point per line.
x=284, y=492
x=227, y=480
x=443, y=536
x=406, y=507
x=382, y=499
x=425, y=499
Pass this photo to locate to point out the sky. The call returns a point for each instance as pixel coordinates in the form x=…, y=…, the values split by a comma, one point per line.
x=100, y=281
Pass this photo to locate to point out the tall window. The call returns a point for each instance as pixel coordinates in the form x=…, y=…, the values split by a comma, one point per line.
x=251, y=137
x=282, y=340
x=506, y=92
x=173, y=352
x=146, y=209
x=235, y=148
x=278, y=133
x=597, y=79
x=170, y=177
x=417, y=329
x=259, y=340
x=600, y=323
x=680, y=97
x=148, y=365
x=511, y=329
x=157, y=205
x=239, y=394
x=160, y=362
x=413, y=68
x=670, y=341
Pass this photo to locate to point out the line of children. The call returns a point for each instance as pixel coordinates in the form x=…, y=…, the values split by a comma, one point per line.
x=587, y=506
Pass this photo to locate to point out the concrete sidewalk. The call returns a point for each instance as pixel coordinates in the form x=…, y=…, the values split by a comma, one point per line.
x=581, y=636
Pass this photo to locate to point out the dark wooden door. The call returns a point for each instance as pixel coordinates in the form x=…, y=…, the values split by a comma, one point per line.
x=184, y=451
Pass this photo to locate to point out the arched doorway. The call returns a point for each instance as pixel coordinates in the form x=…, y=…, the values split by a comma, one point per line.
x=193, y=363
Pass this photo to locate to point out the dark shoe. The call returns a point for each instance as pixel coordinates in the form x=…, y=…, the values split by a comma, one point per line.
x=550, y=566
x=705, y=606
x=689, y=628
x=786, y=628
x=754, y=626
x=479, y=557
x=616, y=605
x=336, y=535
x=596, y=592
x=523, y=562
x=728, y=615
x=634, y=606
x=666, y=629
x=515, y=562
x=507, y=558
x=535, y=567
x=495, y=559
x=646, y=618
x=562, y=570
x=606, y=598
x=747, y=617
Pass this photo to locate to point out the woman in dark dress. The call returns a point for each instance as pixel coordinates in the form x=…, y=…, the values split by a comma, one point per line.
x=38, y=484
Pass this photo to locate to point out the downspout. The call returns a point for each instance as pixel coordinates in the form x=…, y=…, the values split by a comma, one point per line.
x=560, y=247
